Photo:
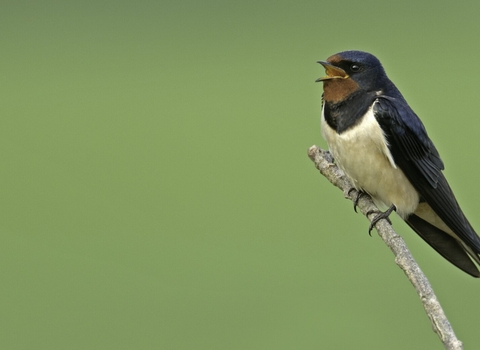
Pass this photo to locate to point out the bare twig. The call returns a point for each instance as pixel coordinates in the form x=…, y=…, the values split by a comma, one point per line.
x=403, y=258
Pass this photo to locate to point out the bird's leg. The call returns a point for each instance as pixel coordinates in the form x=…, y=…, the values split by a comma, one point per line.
x=357, y=197
x=381, y=215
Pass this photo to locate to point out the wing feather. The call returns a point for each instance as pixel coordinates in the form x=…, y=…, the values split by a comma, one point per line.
x=415, y=154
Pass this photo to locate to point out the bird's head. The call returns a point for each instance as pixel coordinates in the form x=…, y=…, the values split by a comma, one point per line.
x=349, y=72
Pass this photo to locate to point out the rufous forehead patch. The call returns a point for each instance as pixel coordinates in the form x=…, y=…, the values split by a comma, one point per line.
x=335, y=59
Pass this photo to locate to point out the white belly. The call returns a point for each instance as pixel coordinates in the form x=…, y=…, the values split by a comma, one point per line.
x=362, y=153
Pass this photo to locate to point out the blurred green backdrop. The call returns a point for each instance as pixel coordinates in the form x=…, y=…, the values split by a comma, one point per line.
x=156, y=191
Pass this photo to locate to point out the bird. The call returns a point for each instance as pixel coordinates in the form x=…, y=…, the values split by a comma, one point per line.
x=383, y=148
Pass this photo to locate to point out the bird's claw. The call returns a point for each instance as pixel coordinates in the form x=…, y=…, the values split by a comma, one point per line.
x=357, y=197
x=380, y=215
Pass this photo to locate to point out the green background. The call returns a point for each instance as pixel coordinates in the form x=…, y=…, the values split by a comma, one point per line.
x=156, y=191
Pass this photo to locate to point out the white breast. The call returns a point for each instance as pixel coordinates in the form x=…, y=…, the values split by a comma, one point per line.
x=362, y=153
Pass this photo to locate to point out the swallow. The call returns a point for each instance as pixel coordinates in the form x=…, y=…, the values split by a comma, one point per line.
x=383, y=148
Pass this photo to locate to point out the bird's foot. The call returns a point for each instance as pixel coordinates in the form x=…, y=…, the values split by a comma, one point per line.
x=357, y=197
x=380, y=215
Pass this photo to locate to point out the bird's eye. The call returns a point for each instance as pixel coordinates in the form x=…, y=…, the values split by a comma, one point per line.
x=355, y=67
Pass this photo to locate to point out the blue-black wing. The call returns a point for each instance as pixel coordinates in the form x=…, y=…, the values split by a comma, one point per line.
x=415, y=154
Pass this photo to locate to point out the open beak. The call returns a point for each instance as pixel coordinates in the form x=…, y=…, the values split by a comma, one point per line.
x=332, y=71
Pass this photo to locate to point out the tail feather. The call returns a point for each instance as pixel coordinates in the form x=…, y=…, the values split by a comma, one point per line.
x=444, y=244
